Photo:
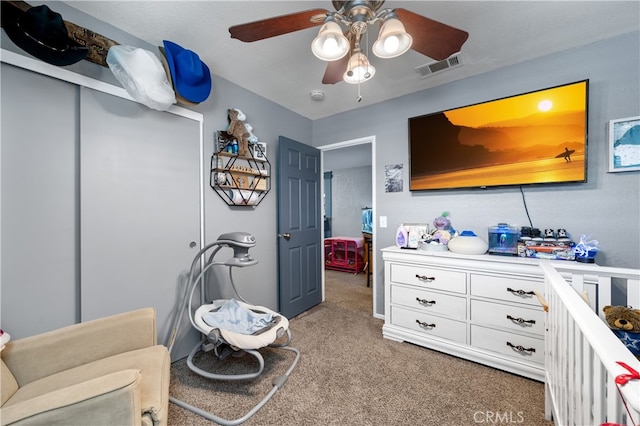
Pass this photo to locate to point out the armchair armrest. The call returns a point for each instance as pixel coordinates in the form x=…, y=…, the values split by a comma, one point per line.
x=35, y=357
x=108, y=400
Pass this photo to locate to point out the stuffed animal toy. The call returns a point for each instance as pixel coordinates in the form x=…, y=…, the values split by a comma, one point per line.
x=625, y=324
x=444, y=231
x=251, y=138
x=238, y=130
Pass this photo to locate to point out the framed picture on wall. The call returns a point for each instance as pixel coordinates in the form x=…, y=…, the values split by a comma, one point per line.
x=624, y=144
x=259, y=150
x=222, y=140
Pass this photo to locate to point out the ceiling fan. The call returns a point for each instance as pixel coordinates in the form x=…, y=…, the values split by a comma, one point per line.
x=400, y=30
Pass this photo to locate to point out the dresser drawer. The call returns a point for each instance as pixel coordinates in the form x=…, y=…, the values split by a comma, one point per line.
x=429, y=301
x=504, y=342
x=429, y=324
x=517, y=318
x=440, y=279
x=510, y=289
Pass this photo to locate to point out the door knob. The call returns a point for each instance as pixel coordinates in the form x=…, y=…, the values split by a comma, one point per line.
x=286, y=236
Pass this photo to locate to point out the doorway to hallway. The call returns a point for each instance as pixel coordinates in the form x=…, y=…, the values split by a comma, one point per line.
x=350, y=155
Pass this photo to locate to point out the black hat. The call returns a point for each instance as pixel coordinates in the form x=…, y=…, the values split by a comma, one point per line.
x=42, y=33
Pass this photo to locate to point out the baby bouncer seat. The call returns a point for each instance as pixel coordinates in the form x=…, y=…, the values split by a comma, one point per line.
x=231, y=326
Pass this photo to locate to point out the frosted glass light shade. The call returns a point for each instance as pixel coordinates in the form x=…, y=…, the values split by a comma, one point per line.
x=393, y=40
x=330, y=44
x=359, y=69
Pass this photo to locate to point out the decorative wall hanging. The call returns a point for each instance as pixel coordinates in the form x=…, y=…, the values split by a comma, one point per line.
x=624, y=144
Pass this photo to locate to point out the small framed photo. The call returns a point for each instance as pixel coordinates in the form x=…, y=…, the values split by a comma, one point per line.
x=222, y=140
x=624, y=144
x=259, y=150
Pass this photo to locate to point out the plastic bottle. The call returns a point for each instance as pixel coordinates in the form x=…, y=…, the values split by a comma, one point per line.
x=402, y=237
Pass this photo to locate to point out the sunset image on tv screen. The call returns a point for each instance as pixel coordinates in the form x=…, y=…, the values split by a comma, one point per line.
x=537, y=137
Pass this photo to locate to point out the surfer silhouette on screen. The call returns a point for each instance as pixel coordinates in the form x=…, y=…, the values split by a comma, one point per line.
x=566, y=154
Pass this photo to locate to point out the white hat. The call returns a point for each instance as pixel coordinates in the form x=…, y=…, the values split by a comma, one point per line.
x=142, y=75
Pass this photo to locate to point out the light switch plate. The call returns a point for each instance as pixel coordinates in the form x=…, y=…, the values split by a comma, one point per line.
x=383, y=221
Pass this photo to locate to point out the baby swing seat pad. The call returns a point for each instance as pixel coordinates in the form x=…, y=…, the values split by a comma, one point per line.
x=259, y=339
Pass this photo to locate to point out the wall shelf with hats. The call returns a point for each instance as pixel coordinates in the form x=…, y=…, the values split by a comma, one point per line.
x=240, y=180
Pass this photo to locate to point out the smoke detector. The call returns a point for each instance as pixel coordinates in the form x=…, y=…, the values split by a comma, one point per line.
x=317, y=95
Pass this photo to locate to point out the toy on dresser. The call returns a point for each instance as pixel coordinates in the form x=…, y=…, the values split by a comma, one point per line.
x=552, y=244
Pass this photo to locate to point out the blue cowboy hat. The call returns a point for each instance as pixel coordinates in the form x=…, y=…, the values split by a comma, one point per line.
x=190, y=76
x=42, y=33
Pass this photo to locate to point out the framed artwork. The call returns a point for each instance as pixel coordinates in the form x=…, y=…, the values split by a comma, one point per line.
x=259, y=150
x=222, y=140
x=624, y=144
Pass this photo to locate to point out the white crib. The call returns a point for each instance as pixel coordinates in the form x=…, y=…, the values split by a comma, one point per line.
x=581, y=351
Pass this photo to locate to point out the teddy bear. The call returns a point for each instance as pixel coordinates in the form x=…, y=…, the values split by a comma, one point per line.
x=238, y=130
x=625, y=324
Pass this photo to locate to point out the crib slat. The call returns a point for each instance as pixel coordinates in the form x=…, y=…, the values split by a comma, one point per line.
x=587, y=383
x=614, y=407
x=633, y=293
x=571, y=370
x=577, y=282
x=604, y=294
x=598, y=390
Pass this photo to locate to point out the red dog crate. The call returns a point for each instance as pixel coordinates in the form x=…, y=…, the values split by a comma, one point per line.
x=344, y=254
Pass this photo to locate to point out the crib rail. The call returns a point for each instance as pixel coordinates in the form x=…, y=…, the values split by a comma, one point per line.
x=581, y=352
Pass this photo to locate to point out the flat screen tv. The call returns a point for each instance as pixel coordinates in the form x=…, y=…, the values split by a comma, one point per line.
x=538, y=137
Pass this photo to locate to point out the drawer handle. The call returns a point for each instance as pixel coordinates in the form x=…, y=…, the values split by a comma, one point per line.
x=520, y=292
x=425, y=302
x=521, y=320
x=425, y=325
x=520, y=348
x=425, y=278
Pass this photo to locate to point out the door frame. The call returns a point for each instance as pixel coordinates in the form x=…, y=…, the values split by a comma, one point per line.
x=352, y=142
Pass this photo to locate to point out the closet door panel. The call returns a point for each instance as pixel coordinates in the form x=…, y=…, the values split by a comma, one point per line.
x=140, y=208
x=39, y=205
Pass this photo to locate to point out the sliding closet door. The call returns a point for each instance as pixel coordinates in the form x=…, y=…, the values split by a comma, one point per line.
x=39, y=207
x=139, y=186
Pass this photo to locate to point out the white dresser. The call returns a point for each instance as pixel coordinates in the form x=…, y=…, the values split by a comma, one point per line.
x=479, y=307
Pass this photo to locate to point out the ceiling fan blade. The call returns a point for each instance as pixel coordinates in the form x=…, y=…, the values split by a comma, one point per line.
x=335, y=70
x=279, y=25
x=432, y=38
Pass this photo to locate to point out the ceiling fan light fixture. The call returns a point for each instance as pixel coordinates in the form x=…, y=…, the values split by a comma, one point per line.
x=331, y=44
x=359, y=69
x=393, y=40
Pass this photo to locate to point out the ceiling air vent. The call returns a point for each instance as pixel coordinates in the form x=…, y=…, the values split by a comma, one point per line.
x=426, y=70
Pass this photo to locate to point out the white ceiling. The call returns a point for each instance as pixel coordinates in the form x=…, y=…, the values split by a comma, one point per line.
x=284, y=70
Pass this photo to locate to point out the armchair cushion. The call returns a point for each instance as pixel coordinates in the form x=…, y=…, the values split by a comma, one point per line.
x=54, y=371
x=89, y=402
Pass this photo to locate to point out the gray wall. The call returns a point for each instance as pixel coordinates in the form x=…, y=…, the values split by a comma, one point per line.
x=607, y=206
x=258, y=283
x=350, y=192
x=268, y=120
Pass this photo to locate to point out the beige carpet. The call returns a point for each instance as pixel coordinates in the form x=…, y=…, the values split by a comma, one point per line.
x=349, y=375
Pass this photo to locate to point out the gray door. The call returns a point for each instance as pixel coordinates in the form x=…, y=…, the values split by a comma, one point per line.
x=139, y=206
x=39, y=206
x=299, y=216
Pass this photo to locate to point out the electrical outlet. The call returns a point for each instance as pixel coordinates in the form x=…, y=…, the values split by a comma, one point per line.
x=383, y=221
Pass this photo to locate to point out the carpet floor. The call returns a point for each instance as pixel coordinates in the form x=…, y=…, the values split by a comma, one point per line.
x=348, y=374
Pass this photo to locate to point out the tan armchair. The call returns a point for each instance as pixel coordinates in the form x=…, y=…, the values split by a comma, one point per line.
x=108, y=371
